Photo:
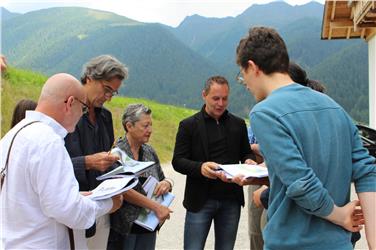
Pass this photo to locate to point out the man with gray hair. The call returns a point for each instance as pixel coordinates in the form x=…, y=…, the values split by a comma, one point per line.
x=89, y=144
x=40, y=196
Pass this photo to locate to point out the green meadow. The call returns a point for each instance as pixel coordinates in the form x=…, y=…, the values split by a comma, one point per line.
x=18, y=84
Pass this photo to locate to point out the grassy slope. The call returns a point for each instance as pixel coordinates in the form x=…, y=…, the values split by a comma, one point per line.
x=18, y=84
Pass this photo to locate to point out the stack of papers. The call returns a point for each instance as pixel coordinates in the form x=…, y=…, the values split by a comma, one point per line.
x=147, y=218
x=128, y=166
x=112, y=187
x=247, y=170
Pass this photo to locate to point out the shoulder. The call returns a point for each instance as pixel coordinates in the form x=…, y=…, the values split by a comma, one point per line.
x=235, y=119
x=106, y=114
x=149, y=148
x=192, y=119
x=41, y=135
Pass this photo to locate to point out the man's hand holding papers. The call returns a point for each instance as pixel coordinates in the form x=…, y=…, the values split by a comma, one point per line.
x=244, y=174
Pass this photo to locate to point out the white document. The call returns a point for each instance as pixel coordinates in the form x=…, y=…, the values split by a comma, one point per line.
x=112, y=187
x=247, y=170
x=147, y=218
x=128, y=166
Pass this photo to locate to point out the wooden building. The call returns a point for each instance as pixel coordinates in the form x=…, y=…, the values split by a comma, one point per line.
x=355, y=19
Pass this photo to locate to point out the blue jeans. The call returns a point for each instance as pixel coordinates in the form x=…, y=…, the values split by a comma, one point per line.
x=225, y=213
x=140, y=241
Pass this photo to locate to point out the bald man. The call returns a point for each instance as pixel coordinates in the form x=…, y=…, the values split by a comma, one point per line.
x=39, y=196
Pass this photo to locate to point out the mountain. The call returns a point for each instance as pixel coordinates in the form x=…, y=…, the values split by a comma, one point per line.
x=6, y=14
x=345, y=75
x=161, y=67
x=170, y=65
x=21, y=84
x=300, y=27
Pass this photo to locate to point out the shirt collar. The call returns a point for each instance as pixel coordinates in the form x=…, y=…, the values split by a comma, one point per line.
x=207, y=116
x=38, y=116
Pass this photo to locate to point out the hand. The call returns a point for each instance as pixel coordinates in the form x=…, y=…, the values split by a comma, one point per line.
x=162, y=188
x=163, y=213
x=222, y=176
x=100, y=161
x=86, y=193
x=117, y=201
x=250, y=162
x=357, y=216
x=3, y=63
x=256, y=196
x=240, y=180
x=343, y=216
x=208, y=169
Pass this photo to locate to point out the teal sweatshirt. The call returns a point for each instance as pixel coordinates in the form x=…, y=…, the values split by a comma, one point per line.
x=313, y=153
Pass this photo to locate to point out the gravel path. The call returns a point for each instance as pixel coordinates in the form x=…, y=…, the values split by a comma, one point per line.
x=171, y=234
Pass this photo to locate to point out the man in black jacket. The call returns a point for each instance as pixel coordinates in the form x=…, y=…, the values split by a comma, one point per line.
x=210, y=137
x=93, y=137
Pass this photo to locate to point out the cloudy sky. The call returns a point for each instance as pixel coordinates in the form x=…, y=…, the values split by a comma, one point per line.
x=170, y=12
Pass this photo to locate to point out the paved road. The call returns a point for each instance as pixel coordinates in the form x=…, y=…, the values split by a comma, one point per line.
x=171, y=234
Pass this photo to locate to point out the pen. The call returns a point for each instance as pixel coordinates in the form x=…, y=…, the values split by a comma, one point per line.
x=113, y=145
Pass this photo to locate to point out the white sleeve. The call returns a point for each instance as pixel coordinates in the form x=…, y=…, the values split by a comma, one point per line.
x=57, y=188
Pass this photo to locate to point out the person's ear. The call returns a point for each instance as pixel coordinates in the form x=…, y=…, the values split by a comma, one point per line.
x=69, y=102
x=128, y=125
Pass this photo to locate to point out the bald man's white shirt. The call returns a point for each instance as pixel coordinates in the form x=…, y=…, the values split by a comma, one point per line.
x=40, y=194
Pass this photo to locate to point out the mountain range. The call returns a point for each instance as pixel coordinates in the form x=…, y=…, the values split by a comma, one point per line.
x=170, y=65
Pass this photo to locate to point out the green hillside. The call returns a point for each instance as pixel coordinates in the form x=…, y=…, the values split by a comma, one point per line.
x=170, y=65
x=63, y=39
x=18, y=84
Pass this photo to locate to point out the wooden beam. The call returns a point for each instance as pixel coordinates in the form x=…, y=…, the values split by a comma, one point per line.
x=330, y=33
x=324, y=32
x=341, y=23
x=361, y=9
x=371, y=34
x=362, y=33
x=333, y=10
x=348, y=33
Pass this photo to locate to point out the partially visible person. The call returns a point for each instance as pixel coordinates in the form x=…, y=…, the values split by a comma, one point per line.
x=298, y=75
x=312, y=150
x=254, y=211
x=3, y=63
x=211, y=137
x=93, y=137
x=124, y=234
x=40, y=196
x=20, y=109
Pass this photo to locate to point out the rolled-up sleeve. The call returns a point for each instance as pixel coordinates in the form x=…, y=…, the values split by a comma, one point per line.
x=364, y=167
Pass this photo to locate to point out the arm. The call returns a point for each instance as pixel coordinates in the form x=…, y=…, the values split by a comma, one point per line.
x=367, y=202
x=181, y=160
x=73, y=146
x=364, y=177
x=140, y=200
x=58, y=192
x=81, y=163
x=259, y=195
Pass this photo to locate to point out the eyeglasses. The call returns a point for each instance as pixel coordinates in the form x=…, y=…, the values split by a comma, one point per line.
x=108, y=91
x=240, y=78
x=85, y=107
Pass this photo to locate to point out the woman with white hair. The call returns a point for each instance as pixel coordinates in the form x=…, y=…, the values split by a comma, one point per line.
x=125, y=234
